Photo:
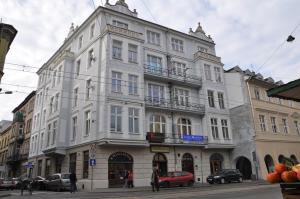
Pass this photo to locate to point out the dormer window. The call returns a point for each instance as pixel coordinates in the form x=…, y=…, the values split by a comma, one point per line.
x=119, y=24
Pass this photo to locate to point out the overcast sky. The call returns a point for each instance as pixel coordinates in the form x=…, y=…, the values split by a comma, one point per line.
x=246, y=32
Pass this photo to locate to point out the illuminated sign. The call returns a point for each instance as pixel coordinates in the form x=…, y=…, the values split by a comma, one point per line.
x=194, y=138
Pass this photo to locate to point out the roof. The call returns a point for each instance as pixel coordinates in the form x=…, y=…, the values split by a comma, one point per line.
x=24, y=101
x=289, y=91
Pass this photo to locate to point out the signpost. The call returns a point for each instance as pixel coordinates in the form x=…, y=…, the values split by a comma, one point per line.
x=93, y=148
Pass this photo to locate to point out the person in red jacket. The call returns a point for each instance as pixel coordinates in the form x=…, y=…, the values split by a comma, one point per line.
x=130, y=179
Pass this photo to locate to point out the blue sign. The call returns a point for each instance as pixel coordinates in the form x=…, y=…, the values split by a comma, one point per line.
x=29, y=165
x=92, y=162
x=193, y=138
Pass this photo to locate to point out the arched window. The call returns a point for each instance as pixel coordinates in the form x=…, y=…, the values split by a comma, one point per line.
x=187, y=163
x=294, y=159
x=184, y=127
x=157, y=124
x=281, y=159
x=269, y=163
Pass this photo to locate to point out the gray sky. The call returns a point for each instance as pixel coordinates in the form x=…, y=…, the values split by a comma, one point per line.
x=246, y=32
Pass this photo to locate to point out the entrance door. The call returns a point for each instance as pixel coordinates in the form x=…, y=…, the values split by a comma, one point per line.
x=244, y=166
x=216, y=161
x=187, y=163
x=118, y=164
x=161, y=162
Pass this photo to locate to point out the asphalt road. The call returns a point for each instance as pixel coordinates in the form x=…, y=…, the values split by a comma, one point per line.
x=231, y=191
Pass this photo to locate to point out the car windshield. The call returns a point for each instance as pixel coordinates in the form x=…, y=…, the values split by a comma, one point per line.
x=65, y=176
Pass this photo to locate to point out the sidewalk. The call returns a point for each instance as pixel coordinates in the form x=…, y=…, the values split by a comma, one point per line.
x=4, y=193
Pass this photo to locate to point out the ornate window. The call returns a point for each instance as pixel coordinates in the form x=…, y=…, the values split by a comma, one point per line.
x=157, y=124
x=184, y=127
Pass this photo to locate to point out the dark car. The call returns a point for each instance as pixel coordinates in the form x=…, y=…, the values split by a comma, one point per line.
x=177, y=178
x=58, y=182
x=38, y=183
x=225, y=176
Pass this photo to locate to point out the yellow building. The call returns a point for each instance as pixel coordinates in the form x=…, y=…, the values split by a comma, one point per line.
x=4, y=140
x=265, y=129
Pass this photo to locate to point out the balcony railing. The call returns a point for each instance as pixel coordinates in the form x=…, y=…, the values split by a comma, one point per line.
x=171, y=75
x=175, y=105
x=208, y=56
x=126, y=32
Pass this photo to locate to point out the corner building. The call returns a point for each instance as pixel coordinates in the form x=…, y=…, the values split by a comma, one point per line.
x=130, y=94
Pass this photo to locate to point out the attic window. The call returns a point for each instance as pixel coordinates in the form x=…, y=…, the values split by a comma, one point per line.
x=119, y=24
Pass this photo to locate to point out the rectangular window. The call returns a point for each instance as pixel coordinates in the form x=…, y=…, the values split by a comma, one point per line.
x=85, y=170
x=221, y=100
x=53, y=78
x=54, y=132
x=133, y=121
x=132, y=84
x=262, y=123
x=88, y=89
x=48, y=135
x=116, y=119
x=87, y=116
x=117, y=49
x=80, y=41
x=119, y=24
x=273, y=123
x=75, y=93
x=297, y=127
x=116, y=82
x=285, y=126
x=42, y=141
x=92, y=29
x=211, y=100
x=74, y=127
x=39, y=167
x=72, y=162
x=214, y=128
x=44, y=117
x=59, y=74
x=154, y=64
x=156, y=94
x=202, y=49
x=181, y=97
x=48, y=167
x=56, y=102
x=218, y=74
x=225, y=129
x=177, y=44
x=179, y=69
x=91, y=57
x=132, y=53
x=256, y=93
x=77, y=69
x=153, y=37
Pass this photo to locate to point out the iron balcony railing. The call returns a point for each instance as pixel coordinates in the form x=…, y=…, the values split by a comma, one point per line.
x=170, y=75
x=174, y=105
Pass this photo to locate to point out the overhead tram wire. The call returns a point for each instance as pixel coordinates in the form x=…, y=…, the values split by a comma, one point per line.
x=149, y=11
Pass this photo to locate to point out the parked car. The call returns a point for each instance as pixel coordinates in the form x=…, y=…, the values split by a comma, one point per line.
x=225, y=176
x=177, y=178
x=7, y=183
x=38, y=183
x=58, y=182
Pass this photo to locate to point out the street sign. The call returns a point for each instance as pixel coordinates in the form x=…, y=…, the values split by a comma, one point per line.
x=29, y=165
x=92, y=162
x=93, y=148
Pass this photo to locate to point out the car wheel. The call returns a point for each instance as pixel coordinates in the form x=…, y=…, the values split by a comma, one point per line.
x=190, y=183
x=240, y=179
x=222, y=181
x=211, y=182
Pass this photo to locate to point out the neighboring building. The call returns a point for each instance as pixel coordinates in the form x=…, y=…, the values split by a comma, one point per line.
x=143, y=93
x=289, y=91
x=7, y=35
x=4, y=124
x=18, y=148
x=265, y=129
x=5, y=135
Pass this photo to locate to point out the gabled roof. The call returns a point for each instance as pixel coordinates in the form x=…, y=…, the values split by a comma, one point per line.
x=289, y=91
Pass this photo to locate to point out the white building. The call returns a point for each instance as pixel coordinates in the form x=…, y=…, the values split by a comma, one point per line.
x=115, y=79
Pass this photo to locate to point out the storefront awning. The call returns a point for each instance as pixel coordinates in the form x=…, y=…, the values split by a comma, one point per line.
x=289, y=91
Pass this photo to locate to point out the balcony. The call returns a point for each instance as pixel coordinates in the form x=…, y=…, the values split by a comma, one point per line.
x=167, y=75
x=210, y=57
x=124, y=32
x=174, y=106
x=155, y=137
x=18, y=117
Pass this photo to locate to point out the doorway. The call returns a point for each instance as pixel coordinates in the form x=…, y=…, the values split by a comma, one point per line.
x=187, y=163
x=161, y=162
x=216, y=162
x=243, y=164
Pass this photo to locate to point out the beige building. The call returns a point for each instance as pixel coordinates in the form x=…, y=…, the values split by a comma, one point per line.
x=265, y=129
x=4, y=140
x=18, y=144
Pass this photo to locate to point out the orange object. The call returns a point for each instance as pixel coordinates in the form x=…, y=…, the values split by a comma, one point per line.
x=289, y=176
x=298, y=175
x=273, y=177
x=280, y=168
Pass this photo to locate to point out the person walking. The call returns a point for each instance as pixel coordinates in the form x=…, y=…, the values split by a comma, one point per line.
x=73, y=180
x=130, y=179
x=155, y=179
x=126, y=179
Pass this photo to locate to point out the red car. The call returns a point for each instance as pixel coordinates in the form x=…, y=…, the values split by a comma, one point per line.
x=177, y=178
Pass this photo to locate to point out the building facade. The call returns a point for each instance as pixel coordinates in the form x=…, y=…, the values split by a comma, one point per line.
x=18, y=144
x=265, y=129
x=5, y=135
x=130, y=94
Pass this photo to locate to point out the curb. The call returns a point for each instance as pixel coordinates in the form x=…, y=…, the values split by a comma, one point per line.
x=4, y=195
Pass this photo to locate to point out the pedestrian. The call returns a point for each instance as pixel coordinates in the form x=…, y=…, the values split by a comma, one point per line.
x=155, y=179
x=130, y=179
x=73, y=180
x=126, y=179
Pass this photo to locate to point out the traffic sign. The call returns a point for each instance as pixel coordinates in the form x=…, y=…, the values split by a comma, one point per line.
x=92, y=162
x=29, y=165
x=93, y=148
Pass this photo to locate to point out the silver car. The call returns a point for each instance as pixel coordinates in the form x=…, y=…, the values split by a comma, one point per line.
x=58, y=182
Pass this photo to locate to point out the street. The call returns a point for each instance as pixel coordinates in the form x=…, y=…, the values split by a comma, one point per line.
x=228, y=191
